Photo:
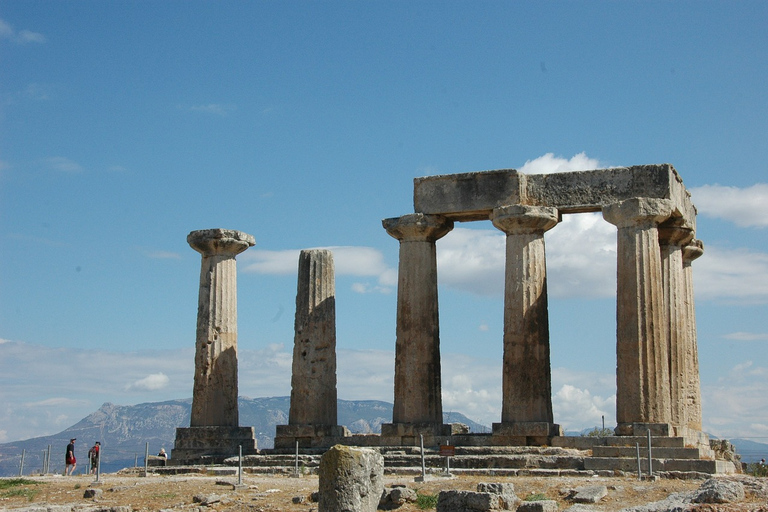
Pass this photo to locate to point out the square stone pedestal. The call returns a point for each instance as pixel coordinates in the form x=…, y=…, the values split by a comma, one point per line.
x=642, y=429
x=309, y=436
x=210, y=445
x=525, y=433
x=408, y=434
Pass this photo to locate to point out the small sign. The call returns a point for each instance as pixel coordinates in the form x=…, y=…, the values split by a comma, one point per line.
x=447, y=450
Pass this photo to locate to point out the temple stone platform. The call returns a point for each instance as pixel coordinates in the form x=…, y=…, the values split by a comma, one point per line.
x=200, y=445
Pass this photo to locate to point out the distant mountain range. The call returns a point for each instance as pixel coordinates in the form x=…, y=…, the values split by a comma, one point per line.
x=125, y=430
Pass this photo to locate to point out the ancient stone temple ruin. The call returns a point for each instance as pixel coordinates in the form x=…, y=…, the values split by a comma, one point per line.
x=657, y=374
x=214, y=431
x=657, y=367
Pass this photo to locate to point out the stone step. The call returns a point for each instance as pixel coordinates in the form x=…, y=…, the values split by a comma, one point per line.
x=630, y=465
x=656, y=452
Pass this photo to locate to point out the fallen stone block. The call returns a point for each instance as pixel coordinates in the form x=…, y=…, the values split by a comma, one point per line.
x=92, y=493
x=206, y=500
x=350, y=479
x=538, y=506
x=719, y=491
x=468, y=501
x=589, y=494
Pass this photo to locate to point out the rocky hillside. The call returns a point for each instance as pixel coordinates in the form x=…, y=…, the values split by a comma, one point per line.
x=124, y=431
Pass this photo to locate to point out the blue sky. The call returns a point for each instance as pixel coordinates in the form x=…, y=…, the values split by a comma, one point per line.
x=125, y=125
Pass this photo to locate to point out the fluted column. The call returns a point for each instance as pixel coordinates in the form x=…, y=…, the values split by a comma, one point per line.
x=671, y=240
x=214, y=398
x=642, y=363
x=313, y=380
x=693, y=390
x=418, y=395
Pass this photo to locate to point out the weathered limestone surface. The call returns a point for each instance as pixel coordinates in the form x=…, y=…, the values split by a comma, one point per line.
x=313, y=380
x=527, y=386
x=693, y=387
x=418, y=396
x=214, y=399
x=642, y=363
x=350, y=479
x=474, y=195
x=672, y=239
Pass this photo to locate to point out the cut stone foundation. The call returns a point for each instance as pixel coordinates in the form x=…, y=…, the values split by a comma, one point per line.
x=310, y=436
x=195, y=445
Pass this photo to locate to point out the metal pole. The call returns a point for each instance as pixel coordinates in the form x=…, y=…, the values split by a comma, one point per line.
x=423, y=464
x=146, y=459
x=650, y=464
x=44, y=469
x=48, y=466
x=98, y=464
x=240, y=467
x=603, y=431
x=639, y=471
x=21, y=466
x=296, y=461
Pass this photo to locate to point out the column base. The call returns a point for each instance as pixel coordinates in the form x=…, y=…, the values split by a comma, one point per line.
x=211, y=445
x=309, y=436
x=409, y=434
x=525, y=433
x=642, y=429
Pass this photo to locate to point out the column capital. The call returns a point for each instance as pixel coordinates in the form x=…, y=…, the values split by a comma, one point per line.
x=675, y=235
x=418, y=227
x=693, y=250
x=220, y=241
x=520, y=219
x=638, y=211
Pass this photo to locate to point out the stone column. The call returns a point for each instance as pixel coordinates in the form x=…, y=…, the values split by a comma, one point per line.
x=671, y=240
x=214, y=431
x=693, y=390
x=526, y=414
x=312, y=415
x=418, y=395
x=313, y=379
x=642, y=360
x=214, y=396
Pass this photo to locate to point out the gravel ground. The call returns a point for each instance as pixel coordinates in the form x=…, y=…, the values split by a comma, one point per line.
x=272, y=493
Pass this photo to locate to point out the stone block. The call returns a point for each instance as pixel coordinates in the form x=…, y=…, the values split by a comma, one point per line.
x=468, y=501
x=350, y=479
x=589, y=494
x=719, y=491
x=538, y=506
x=194, y=443
x=527, y=429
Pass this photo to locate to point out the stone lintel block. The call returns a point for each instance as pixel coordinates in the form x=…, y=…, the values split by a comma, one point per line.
x=467, y=196
x=472, y=196
x=527, y=429
x=641, y=429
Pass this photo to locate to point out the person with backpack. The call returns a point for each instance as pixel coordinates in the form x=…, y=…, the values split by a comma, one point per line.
x=93, y=455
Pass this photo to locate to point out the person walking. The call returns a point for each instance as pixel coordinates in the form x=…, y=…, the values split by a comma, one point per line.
x=69, y=458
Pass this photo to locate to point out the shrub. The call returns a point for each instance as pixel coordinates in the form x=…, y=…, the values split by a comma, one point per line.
x=535, y=496
x=426, y=501
x=757, y=469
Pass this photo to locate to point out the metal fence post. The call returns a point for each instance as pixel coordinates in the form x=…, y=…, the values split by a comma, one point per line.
x=21, y=466
x=146, y=459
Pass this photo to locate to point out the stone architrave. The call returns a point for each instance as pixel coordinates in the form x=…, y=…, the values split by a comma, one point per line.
x=693, y=389
x=313, y=379
x=642, y=360
x=527, y=383
x=214, y=397
x=418, y=395
x=671, y=240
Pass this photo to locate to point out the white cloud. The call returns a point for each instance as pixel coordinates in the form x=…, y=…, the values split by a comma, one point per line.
x=19, y=37
x=745, y=207
x=581, y=258
x=63, y=164
x=735, y=275
x=549, y=163
x=151, y=382
x=735, y=406
x=747, y=336
x=348, y=261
